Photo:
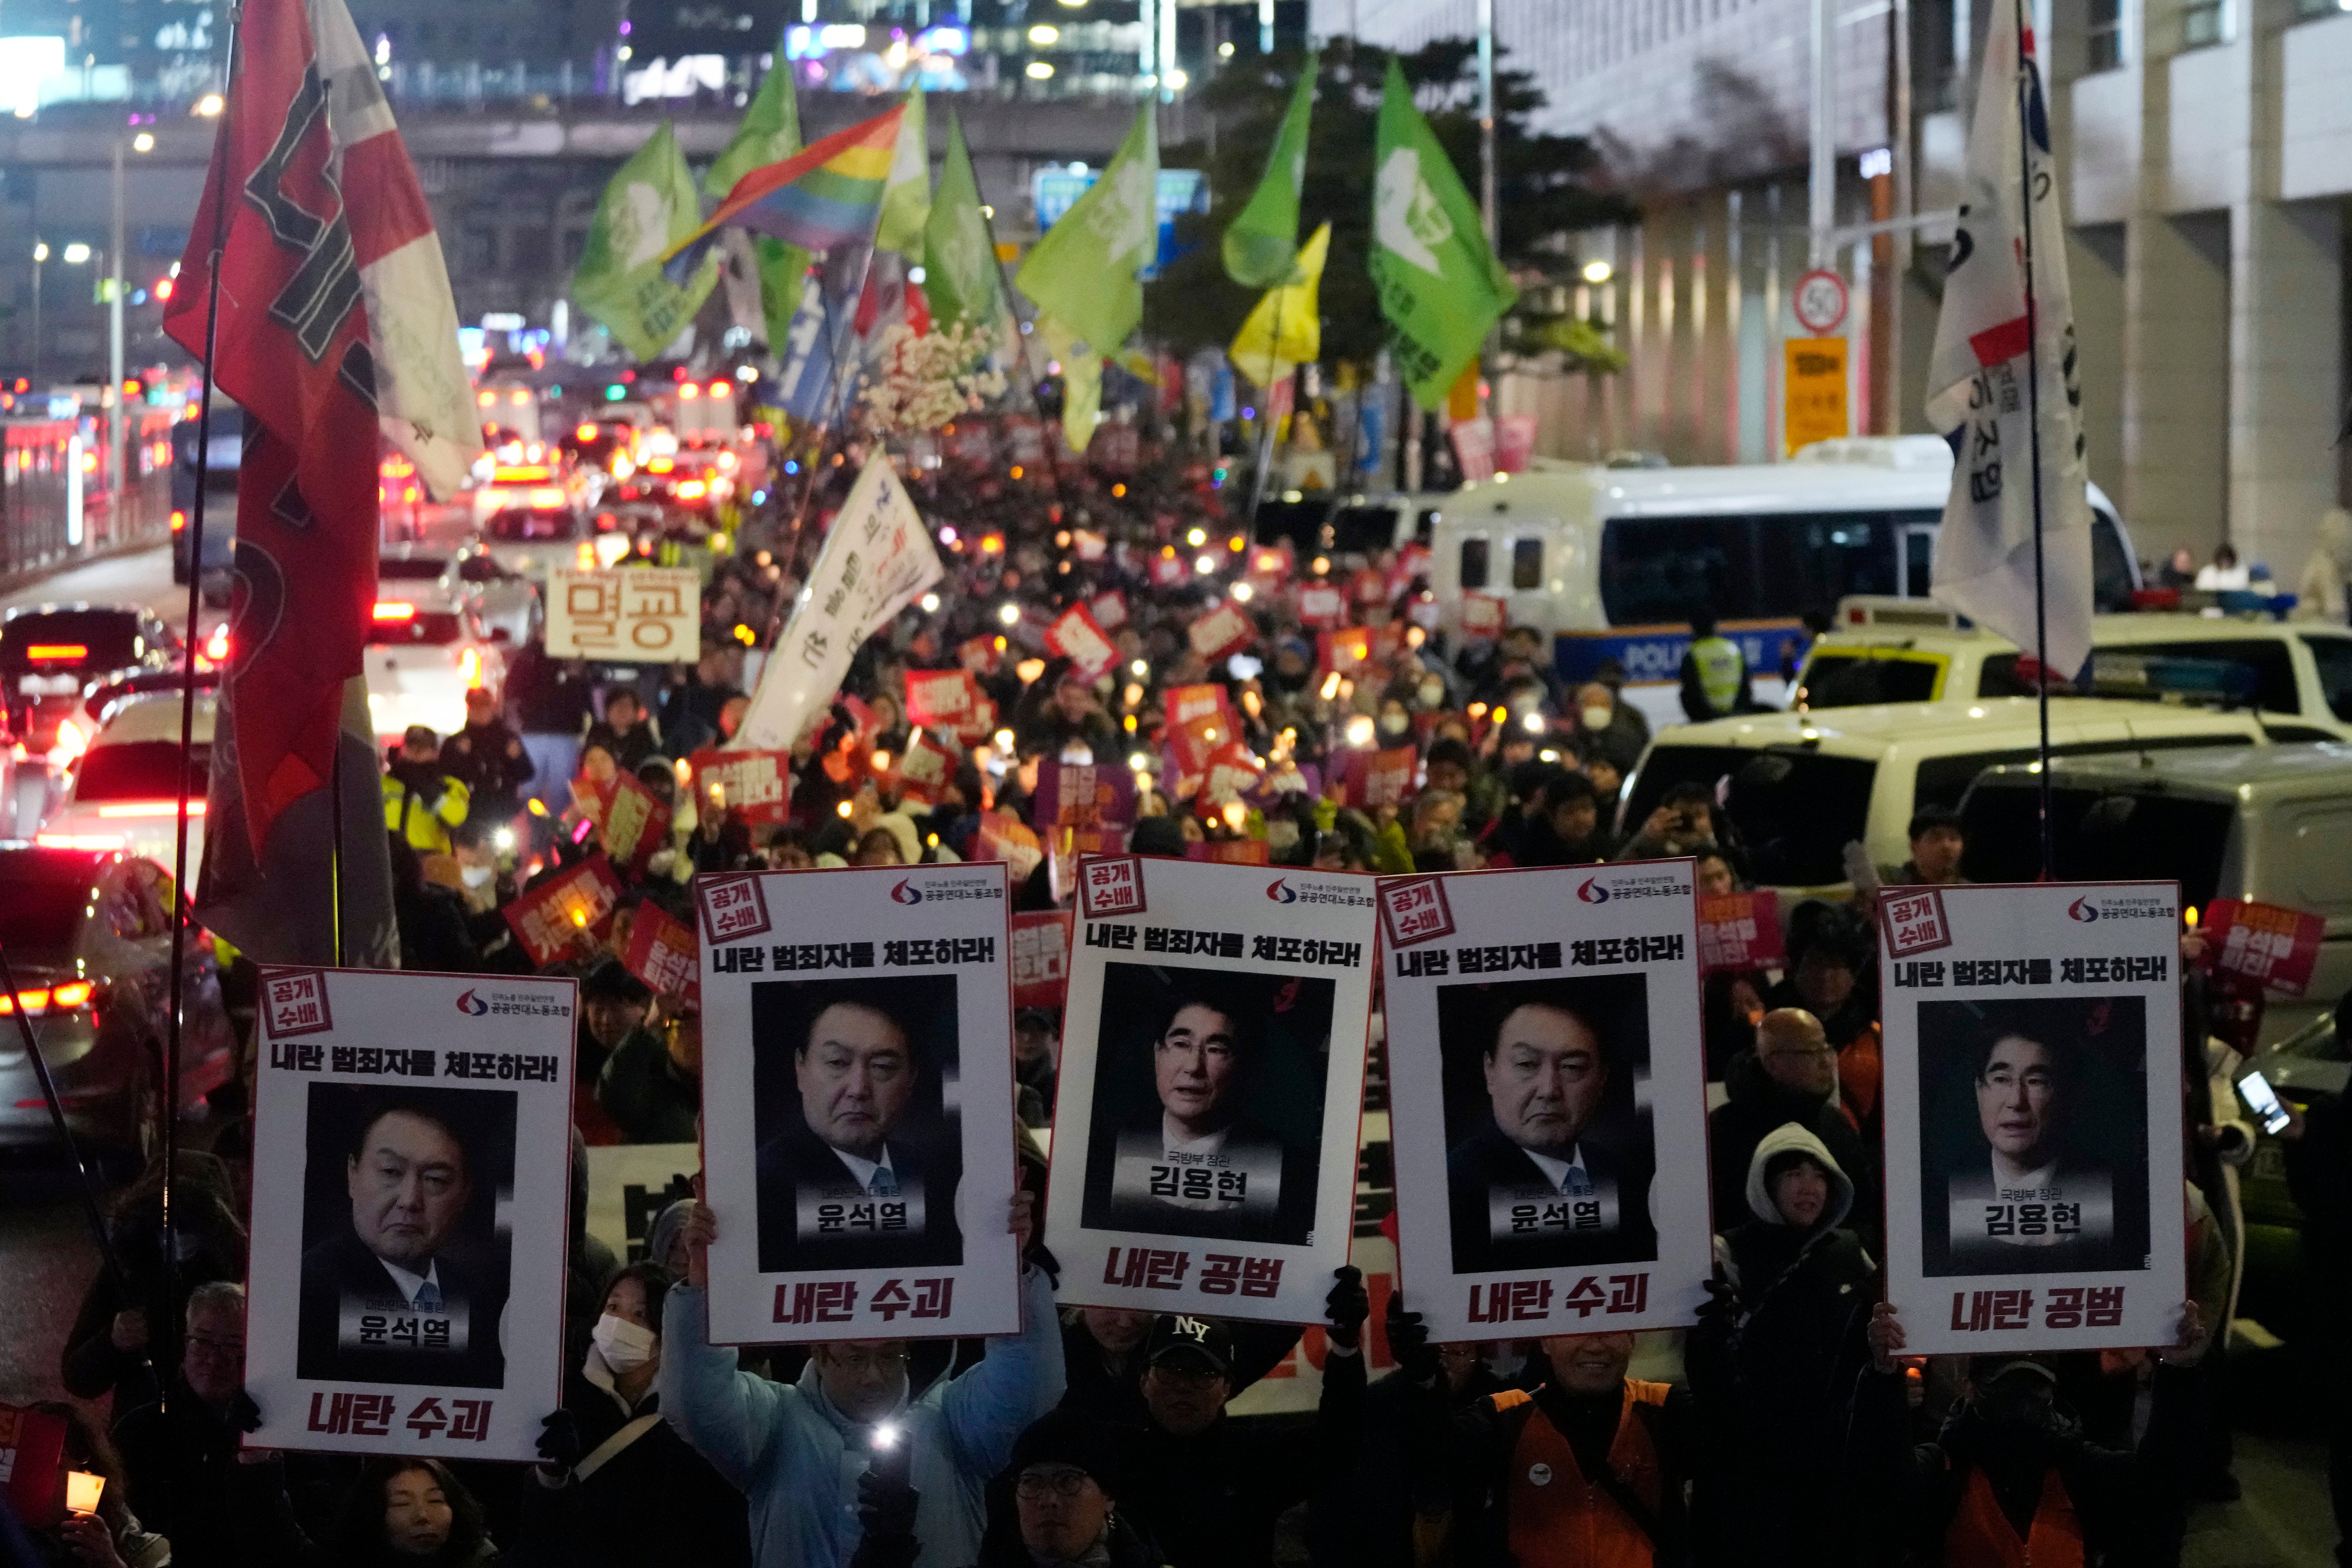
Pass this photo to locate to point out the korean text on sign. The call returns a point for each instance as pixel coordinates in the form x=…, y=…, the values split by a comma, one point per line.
x=650, y=615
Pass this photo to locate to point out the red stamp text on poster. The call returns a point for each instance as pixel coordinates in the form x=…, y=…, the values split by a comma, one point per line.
x=1414, y=909
x=732, y=909
x=1914, y=922
x=294, y=1002
x=1112, y=885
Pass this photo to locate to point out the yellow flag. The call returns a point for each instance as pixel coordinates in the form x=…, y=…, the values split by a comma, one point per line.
x=1286, y=329
x=1081, y=380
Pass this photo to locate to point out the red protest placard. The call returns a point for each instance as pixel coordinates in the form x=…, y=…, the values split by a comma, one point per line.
x=1041, y=957
x=1004, y=837
x=939, y=697
x=2264, y=943
x=1234, y=771
x=32, y=1465
x=1110, y=610
x=1740, y=930
x=1379, y=778
x=1090, y=545
x=1321, y=605
x=1484, y=615
x=924, y=771
x=1368, y=587
x=636, y=823
x=1186, y=703
x=980, y=724
x=1192, y=742
x=1169, y=570
x=553, y=917
x=1077, y=636
x=1223, y=631
x=588, y=800
x=755, y=785
x=663, y=954
x=979, y=654
x=1345, y=652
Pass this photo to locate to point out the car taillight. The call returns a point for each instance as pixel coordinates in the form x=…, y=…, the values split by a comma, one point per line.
x=394, y=612
x=469, y=664
x=73, y=651
x=97, y=841
x=153, y=809
x=585, y=556
x=179, y=521
x=71, y=742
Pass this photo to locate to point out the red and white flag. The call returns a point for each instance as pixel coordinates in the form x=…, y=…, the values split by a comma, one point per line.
x=336, y=325
x=1980, y=390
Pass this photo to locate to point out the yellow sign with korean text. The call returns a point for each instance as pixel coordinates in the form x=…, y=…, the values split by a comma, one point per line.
x=1814, y=391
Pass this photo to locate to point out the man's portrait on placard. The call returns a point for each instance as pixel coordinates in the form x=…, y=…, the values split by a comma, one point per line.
x=2033, y=1135
x=1551, y=1148
x=858, y=1119
x=406, y=1247
x=1208, y=1103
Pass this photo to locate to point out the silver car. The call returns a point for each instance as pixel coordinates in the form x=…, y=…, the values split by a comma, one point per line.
x=88, y=938
x=505, y=601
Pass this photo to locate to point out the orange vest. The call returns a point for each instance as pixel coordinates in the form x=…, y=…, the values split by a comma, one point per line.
x=1982, y=1537
x=1559, y=1519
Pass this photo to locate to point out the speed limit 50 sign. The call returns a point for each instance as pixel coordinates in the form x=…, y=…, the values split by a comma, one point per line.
x=1820, y=300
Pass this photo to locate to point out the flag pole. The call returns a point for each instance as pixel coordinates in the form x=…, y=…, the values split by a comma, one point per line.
x=183, y=903
x=1265, y=427
x=1018, y=349
x=2027, y=78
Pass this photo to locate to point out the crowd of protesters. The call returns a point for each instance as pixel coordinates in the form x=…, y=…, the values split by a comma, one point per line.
x=1787, y=1427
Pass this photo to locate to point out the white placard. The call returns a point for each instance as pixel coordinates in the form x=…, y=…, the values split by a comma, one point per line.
x=1211, y=1085
x=2033, y=1158
x=633, y=615
x=410, y=1182
x=1544, y=1060
x=857, y=1103
x=877, y=557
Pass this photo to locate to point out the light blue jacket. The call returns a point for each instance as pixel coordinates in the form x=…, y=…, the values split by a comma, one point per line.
x=797, y=1459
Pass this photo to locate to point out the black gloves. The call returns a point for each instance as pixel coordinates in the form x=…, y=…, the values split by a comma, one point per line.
x=1409, y=1341
x=1347, y=1306
x=244, y=1415
x=886, y=1507
x=559, y=1441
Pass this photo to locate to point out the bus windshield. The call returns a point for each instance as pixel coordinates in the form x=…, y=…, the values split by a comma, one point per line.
x=1792, y=810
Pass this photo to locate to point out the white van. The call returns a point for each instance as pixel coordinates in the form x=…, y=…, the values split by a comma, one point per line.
x=1611, y=560
x=1798, y=787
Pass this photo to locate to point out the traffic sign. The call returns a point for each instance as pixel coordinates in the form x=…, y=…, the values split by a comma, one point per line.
x=1820, y=300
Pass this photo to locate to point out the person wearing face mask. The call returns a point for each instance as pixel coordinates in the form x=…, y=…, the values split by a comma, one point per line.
x=1587, y=1470
x=1603, y=730
x=618, y=1487
x=1778, y=1359
x=2010, y=1478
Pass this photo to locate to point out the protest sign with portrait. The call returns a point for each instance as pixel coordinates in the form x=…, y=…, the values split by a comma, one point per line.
x=1211, y=1082
x=409, y=1211
x=2032, y=1115
x=857, y=1104
x=1544, y=1050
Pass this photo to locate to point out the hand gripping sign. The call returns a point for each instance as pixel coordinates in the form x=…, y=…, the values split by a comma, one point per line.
x=857, y=1103
x=410, y=1180
x=1550, y=1099
x=2032, y=1115
x=1212, y=1065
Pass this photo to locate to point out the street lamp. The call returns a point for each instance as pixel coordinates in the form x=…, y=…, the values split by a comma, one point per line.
x=1597, y=271
x=143, y=142
x=75, y=253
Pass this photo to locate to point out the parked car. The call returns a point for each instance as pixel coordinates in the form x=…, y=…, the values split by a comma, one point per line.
x=88, y=938
x=2296, y=675
x=1796, y=787
x=505, y=600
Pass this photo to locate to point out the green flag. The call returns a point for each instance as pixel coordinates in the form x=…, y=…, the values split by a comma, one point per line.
x=1261, y=244
x=649, y=206
x=769, y=133
x=1440, y=287
x=907, y=192
x=962, y=278
x=1082, y=369
x=1083, y=271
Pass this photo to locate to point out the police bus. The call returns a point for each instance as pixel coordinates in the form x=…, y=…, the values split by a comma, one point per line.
x=1609, y=563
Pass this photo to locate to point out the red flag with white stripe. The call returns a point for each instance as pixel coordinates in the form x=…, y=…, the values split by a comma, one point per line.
x=1981, y=392
x=336, y=326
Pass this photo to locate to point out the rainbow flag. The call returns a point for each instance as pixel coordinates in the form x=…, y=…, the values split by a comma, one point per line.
x=827, y=194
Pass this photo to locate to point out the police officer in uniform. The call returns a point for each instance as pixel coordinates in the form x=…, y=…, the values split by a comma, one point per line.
x=1714, y=672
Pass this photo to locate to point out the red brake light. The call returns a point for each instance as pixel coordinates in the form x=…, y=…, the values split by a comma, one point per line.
x=56, y=650
x=394, y=612
x=722, y=388
x=62, y=998
x=72, y=994
x=179, y=521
